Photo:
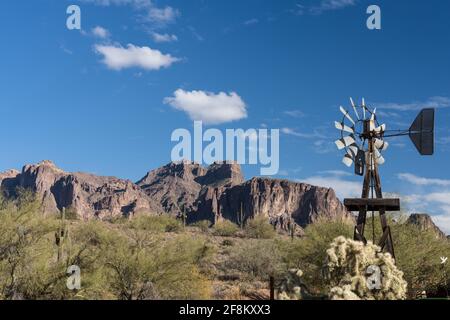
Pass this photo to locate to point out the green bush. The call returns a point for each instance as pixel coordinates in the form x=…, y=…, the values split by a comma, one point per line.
x=227, y=243
x=309, y=252
x=259, y=228
x=225, y=228
x=257, y=259
x=161, y=223
x=418, y=255
x=203, y=225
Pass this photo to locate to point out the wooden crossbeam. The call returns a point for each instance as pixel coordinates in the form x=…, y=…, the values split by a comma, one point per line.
x=358, y=204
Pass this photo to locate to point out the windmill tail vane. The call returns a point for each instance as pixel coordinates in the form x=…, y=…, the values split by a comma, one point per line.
x=362, y=138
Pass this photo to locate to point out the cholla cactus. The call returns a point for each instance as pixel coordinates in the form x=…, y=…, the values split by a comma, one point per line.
x=292, y=287
x=357, y=271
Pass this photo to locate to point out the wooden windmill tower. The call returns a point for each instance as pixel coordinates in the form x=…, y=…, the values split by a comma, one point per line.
x=364, y=142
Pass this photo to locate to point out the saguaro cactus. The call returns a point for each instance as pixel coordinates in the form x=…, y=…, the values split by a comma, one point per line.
x=240, y=217
x=61, y=235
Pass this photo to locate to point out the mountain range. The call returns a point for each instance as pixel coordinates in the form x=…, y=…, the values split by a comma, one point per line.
x=218, y=192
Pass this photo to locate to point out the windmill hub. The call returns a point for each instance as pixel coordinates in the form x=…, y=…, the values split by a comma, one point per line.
x=364, y=142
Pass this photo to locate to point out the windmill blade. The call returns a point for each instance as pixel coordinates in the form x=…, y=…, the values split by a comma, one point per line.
x=379, y=158
x=354, y=108
x=345, y=142
x=347, y=115
x=381, y=128
x=343, y=127
x=347, y=160
x=363, y=106
x=381, y=145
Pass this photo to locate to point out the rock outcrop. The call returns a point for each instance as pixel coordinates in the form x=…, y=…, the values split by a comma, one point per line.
x=177, y=187
x=278, y=200
x=88, y=195
x=213, y=193
x=425, y=223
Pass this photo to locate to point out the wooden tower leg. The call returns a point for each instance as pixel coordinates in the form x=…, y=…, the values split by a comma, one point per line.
x=386, y=238
x=361, y=222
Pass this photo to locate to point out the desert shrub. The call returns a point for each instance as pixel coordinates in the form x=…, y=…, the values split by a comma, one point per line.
x=162, y=270
x=161, y=223
x=227, y=243
x=117, y=261
x=418, y=256
x=71, y=214
x=225, y=228
x=26, y=250
x=203, y=225
x=256, y=259
x=259, y=228
x=308, y=253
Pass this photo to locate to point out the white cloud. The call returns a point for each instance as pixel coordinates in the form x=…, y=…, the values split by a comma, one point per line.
x=421, y=181
x=162, y=16
x=118, y=57
x=100, y=32
x=251, y=22
x=334, y=179
x=328, y=5
x=295, y=133
x=163, y=37
x=294, y=113
x=106, y=3
x=211, y=108
x=433, y=102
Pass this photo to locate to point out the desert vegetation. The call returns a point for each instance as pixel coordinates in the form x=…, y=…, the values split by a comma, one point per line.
x=157, y=257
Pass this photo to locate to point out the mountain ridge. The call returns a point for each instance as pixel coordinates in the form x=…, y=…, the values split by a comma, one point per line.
x=214, y=193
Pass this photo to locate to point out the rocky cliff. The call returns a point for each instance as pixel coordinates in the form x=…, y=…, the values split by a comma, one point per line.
x=213, y=193
x=89, y=195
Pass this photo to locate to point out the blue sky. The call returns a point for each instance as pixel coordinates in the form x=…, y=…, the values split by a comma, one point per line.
x=290, y=64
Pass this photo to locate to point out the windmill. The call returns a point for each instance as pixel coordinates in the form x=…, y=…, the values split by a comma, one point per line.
x=363, y=139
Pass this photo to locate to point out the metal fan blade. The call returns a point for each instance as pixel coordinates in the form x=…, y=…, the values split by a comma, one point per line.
x=347, y=115
x=344, y=142
x=378, y=157
x=381, y=128
x=381, y=145
x=354, y=108
x=343, y=127
x=363, y=102
x=347, y=160
x=363, y=106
